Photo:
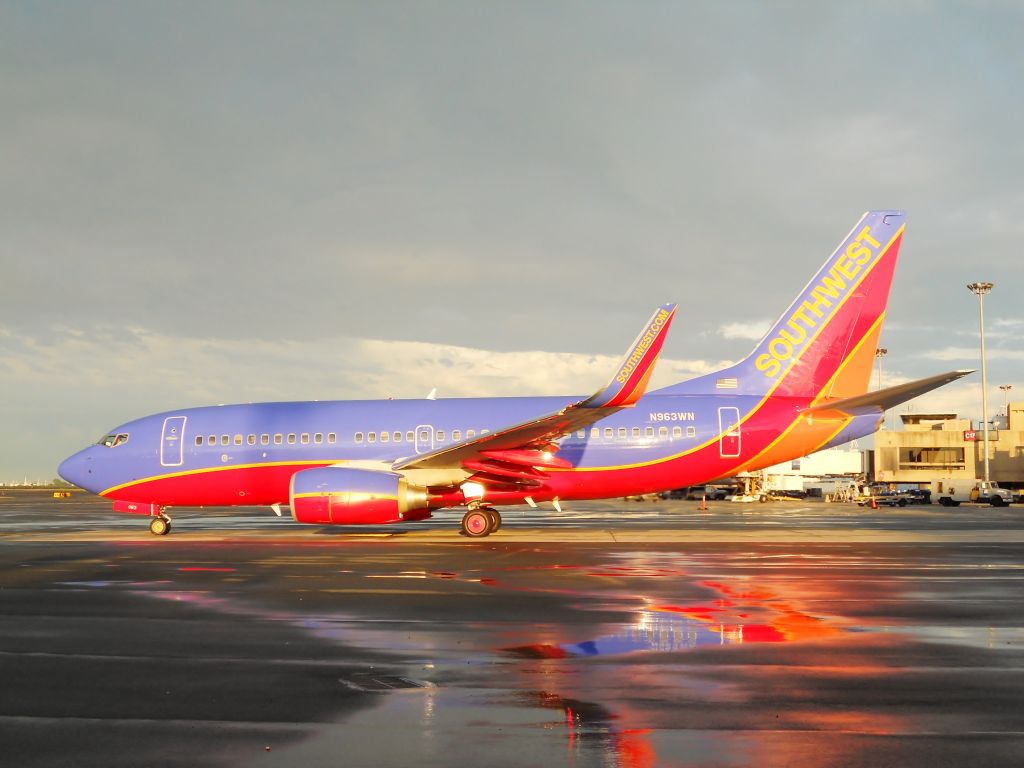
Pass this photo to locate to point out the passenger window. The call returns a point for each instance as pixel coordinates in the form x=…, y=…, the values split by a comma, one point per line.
x=318, y=437
x=649, y=431
x=332, y=438
x=456, y=434
x=595, y=433
x=371, y=437
x=609, y=433
x=663, y=432
x=397, y=437
x=408, y=437
x=211, y=440
x=304, y=438
x=225, y=439
x=636, y=433
x=440, y=435
x=199, y=439
x=359, y=437
x=291, y=438
x=581, y=434
x=251, y=440
x=264, y=439
x=470, y=434
x=691, y=431
x=484, y=431
x=238, y=439
x=622, y=433
x=278, y=438
x=677, y=432
x=385, y=436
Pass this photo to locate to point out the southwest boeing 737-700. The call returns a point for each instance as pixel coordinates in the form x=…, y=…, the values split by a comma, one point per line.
x=803, y=388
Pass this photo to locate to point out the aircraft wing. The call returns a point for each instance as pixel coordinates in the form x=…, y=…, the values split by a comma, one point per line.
x=511, y=453
x=884, y=399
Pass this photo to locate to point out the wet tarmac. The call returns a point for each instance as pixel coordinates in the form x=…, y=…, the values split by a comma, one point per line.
x=617, y=634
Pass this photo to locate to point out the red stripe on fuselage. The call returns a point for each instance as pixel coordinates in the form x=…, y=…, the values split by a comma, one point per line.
x=227, y=487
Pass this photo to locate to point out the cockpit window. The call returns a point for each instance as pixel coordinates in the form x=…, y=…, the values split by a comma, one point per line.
x=112, y=441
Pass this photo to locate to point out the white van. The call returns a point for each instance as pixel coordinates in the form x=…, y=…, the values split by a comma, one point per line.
x=951, y=491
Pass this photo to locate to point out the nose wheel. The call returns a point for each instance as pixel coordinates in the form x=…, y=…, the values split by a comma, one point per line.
x=160, y=525
x=480, y=521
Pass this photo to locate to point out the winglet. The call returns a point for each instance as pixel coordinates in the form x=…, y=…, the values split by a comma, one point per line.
x=631, y=377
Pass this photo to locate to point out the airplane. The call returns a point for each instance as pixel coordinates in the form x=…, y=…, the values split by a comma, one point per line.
x=803, y=388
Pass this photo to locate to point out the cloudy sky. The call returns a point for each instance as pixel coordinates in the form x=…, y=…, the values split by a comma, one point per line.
x=220, y=202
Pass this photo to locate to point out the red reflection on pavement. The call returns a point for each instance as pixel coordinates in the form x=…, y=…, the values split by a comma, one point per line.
x=211, y=570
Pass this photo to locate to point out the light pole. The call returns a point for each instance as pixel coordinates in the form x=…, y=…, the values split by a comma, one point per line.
x=980, y=289
x=1006, y=400
x=881, y=352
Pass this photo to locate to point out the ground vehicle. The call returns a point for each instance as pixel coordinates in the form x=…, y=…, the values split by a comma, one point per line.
x=882, y=496
x=951, y=492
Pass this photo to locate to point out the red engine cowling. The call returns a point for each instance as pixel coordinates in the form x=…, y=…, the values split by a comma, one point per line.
x=344, y=496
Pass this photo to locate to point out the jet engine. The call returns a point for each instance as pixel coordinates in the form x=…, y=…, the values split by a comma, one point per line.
x=345, y=496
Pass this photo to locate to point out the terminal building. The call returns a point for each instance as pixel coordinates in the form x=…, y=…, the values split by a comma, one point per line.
x=935, y=446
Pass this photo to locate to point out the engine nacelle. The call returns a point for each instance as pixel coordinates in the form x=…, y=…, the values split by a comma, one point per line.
x=344, y=496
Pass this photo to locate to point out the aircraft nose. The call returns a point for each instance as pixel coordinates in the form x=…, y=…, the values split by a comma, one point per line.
x=77, y=469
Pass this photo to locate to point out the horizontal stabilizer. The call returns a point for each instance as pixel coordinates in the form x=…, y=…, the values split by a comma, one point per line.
x=889, y=397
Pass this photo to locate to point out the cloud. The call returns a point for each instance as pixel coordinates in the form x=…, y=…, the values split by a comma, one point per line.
x=752, y=331
x=91, y=381
x=972, y=354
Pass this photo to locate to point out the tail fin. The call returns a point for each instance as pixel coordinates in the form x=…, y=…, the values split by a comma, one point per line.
x=824, y=344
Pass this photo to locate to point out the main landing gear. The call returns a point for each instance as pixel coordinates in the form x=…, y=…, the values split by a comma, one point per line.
x=160, y=525
x=480, y=521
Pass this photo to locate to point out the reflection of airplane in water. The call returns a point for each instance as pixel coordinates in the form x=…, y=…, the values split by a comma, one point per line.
x=735, y=618
x=803, y=388
x=652, y=631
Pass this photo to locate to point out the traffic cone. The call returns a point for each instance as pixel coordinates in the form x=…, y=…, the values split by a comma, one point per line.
x=704, y=503
x=874, y=503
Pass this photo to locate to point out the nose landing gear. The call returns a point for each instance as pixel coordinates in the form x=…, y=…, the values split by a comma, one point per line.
x=160, y=525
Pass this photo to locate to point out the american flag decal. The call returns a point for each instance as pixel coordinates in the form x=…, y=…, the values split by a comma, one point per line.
x=729, y=383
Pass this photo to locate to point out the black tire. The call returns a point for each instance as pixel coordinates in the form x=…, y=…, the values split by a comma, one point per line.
x=997, y=501
x=945, y=501
x=495, y=519
x=763, y=498
x=476, y=523
x=902, y=502
x=159, y=526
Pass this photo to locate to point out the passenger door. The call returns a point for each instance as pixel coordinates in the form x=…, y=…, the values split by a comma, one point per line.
x=729, y=432
x=172, y=442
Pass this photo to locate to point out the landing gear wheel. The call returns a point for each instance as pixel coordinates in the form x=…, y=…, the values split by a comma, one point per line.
x=159, y=526
x=495, y=518
x=476, y=523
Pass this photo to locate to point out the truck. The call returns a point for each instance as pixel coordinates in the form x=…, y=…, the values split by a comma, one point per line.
x=951, y=491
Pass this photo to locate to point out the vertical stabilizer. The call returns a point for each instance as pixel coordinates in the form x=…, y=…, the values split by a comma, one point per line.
x=824, y=343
